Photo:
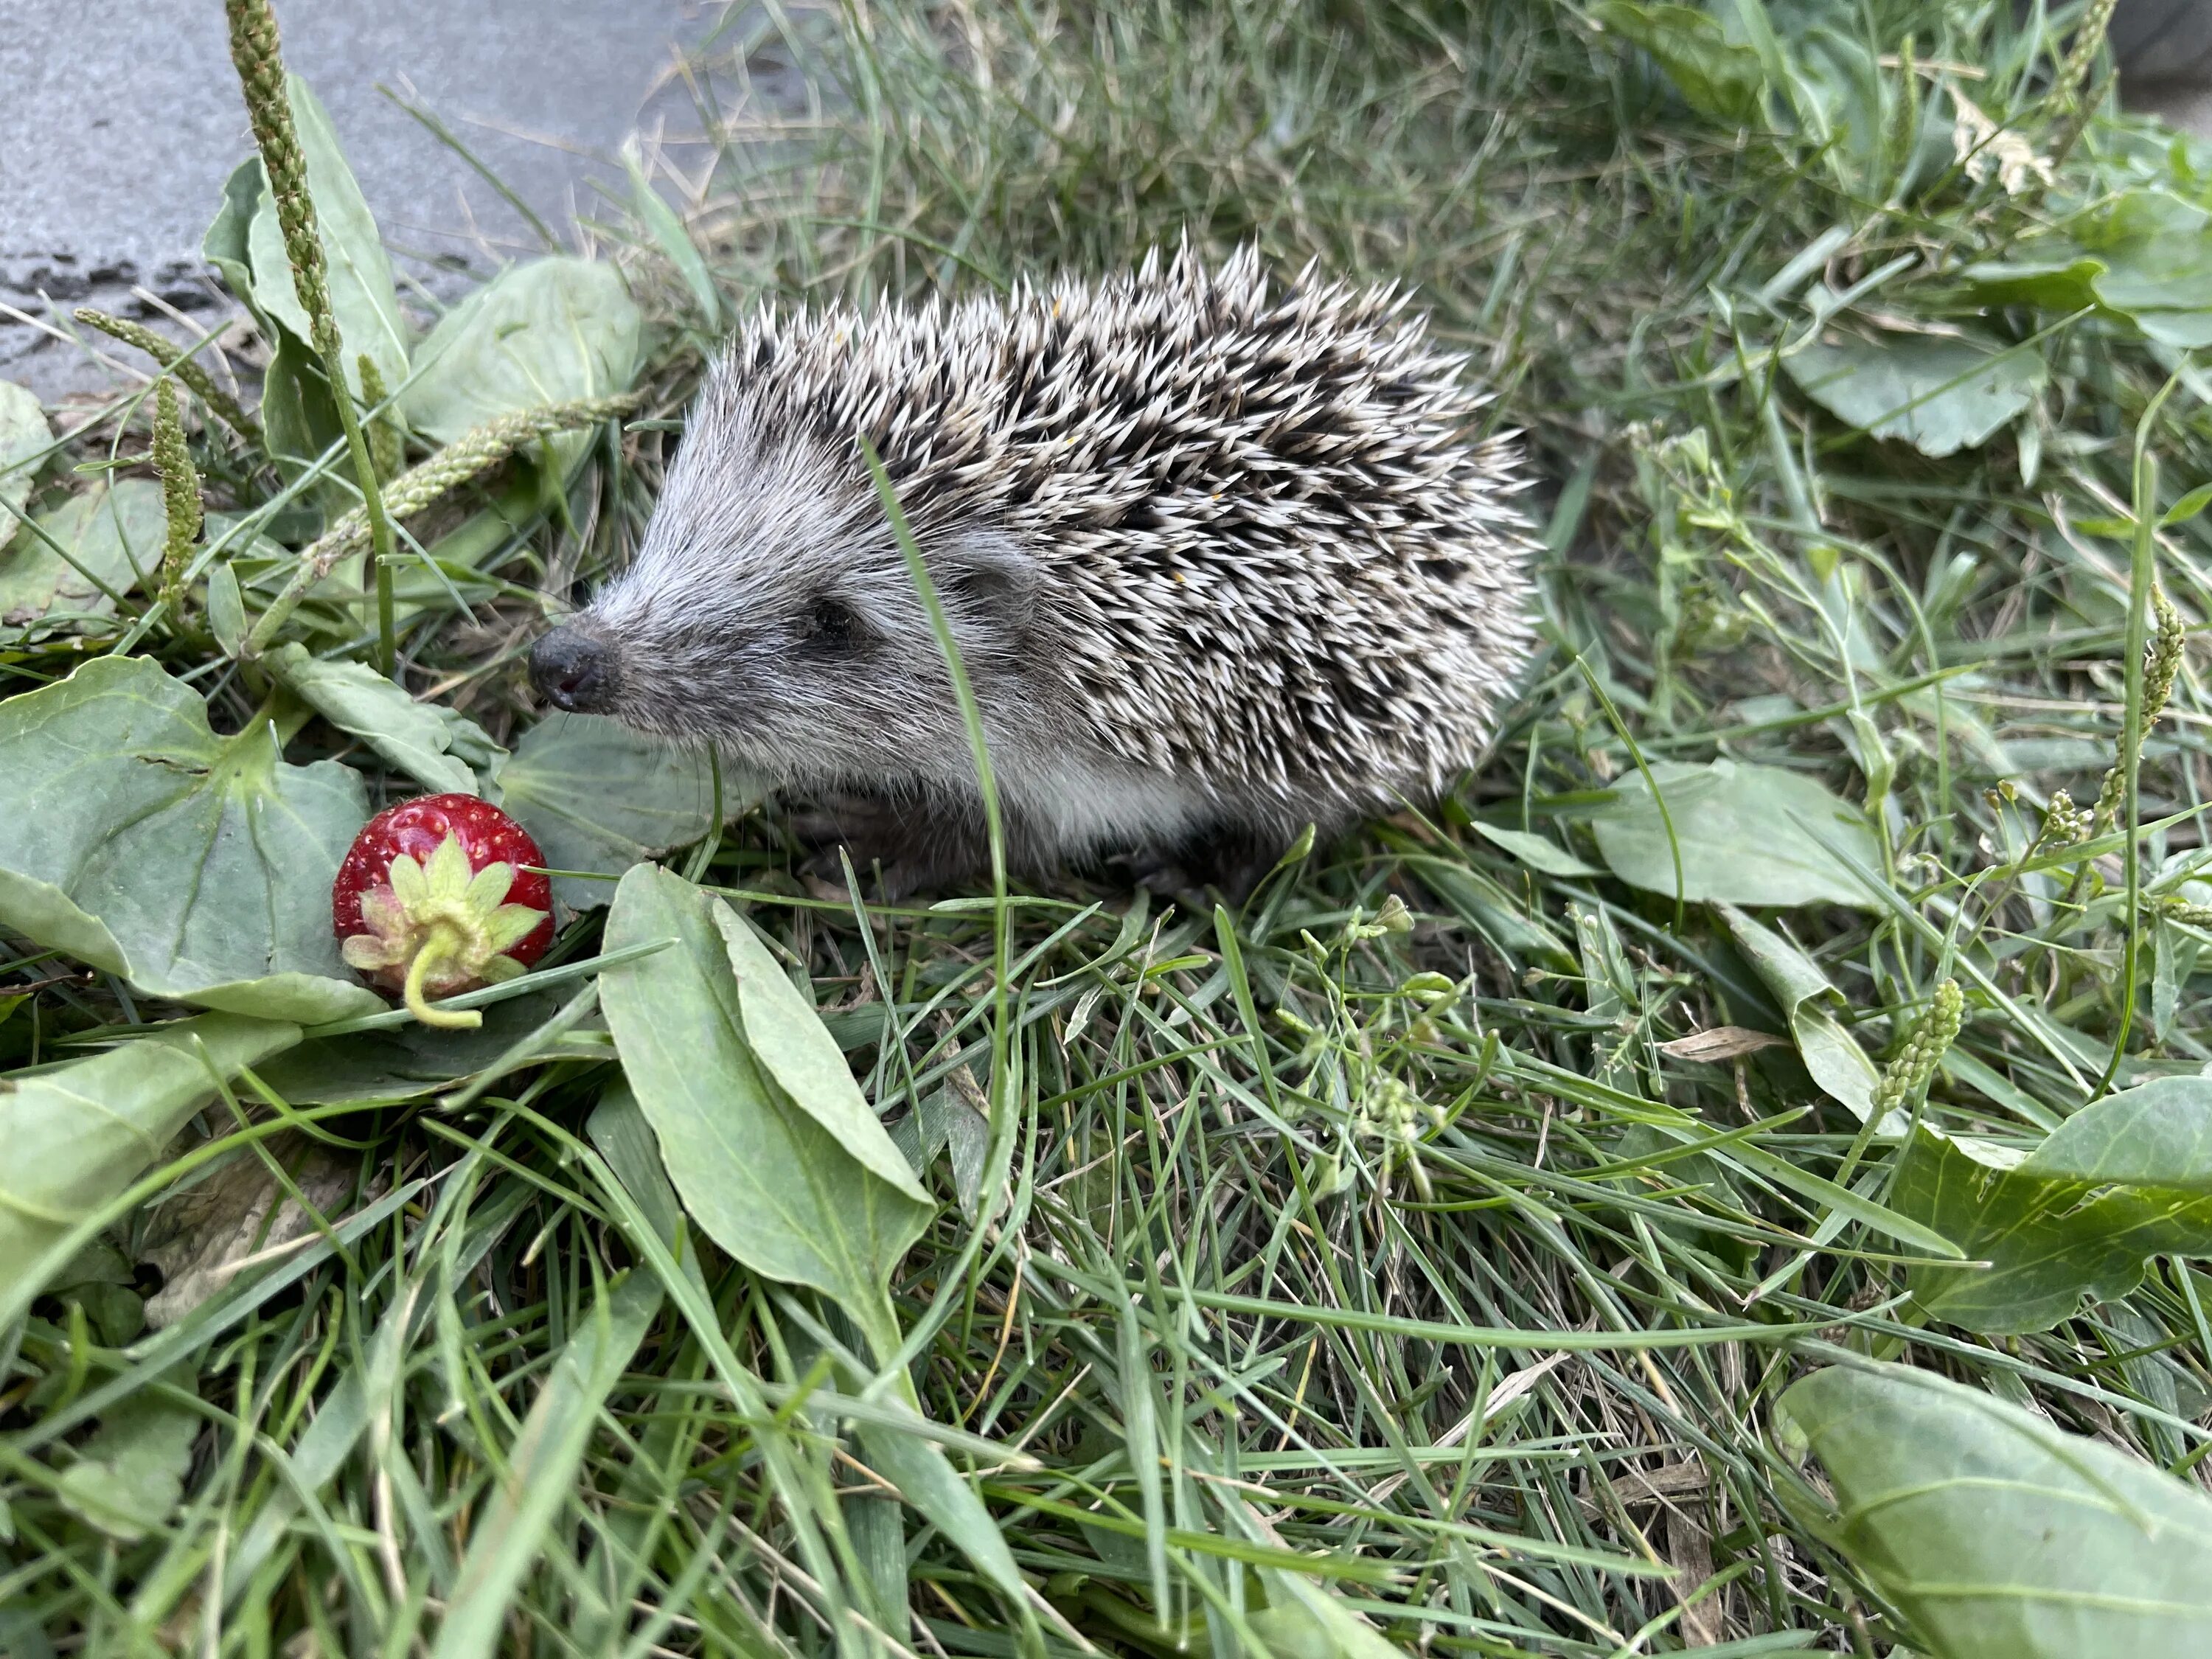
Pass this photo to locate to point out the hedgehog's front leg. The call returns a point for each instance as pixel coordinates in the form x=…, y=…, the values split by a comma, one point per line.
x=920, y=843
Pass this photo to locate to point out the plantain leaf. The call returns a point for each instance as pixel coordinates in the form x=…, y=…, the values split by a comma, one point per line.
x=759, y=1173
x=1940, y=394
x=2122, y=1180
x=2142, y=255
x=112, y=535
x=1748, y=835
x=597, y=796
x=363, y=301
x=538, y=333
x=1999, y=1535
x=414, y=737
x=80, y=1133
x=226, y=245
x=196, y=866
x=797, y=1051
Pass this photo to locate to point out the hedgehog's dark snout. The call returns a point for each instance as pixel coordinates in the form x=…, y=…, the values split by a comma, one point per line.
x=575, y=671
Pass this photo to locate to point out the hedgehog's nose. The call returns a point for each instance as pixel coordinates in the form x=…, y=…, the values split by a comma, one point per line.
x=573, y=670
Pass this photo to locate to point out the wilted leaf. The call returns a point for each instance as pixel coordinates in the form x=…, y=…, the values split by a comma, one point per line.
x=25, y=437
x=595, y=795
x=198, y=1237
x=2120, y=1181
x=539, y=1471
x=1999, y=1535
x=414, y=737
x=131, y=1471
x=538, y=333
x=1939, y=393
x=196, y=866
x=79, y=1134
x=1716, y=75
x=1747, y=835
x=1721, y=1042
x=113, y=538
x=363, y=301
x=1811, y=1005
x=760, y=1174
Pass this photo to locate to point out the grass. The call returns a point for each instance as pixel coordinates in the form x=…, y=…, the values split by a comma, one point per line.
x=1338, y=1240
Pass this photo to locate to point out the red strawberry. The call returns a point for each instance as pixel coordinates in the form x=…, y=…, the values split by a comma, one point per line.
x=431, y=899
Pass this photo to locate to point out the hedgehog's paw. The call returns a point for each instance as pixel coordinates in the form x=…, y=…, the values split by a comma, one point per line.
x=1198, y=874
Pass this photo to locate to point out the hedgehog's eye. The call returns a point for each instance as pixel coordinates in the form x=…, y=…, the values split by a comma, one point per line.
x=832, y=627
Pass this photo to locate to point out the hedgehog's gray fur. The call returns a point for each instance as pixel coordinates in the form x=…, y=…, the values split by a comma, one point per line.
x=1221, y=560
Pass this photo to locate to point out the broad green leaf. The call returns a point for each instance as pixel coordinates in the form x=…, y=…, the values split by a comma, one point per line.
x=597, y=796
x=1546, y=857
x=114, y=537
x=759, y=1175
x=539, y=1475
x=797, y=1051
x=412, y=736
x=78, y=1133
x=2122, y=1180
x=1999, y=1535
x=25, y=437
x=538, y=333
x=198, y=867
x=300, y=423
x=1716, y=75
x=130, y=1474
x=1939, y=393
x=363, y=301
x=2157, y=1135
x=1809, y=1002
x=227, y=246
x=1747, y=836
x=2143, y=255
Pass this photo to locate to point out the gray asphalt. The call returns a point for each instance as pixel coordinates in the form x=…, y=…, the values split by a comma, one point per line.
x=119, y=120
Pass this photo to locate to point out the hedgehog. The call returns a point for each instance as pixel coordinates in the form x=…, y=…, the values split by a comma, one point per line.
x=1225, y=561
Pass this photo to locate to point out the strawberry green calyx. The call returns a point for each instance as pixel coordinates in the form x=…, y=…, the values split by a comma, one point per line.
x=436, y=929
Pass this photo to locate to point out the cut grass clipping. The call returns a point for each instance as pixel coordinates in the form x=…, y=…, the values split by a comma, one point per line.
x=1730, y=1177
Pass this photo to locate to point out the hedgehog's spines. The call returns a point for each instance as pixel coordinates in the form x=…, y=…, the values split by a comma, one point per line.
x=1280, y=565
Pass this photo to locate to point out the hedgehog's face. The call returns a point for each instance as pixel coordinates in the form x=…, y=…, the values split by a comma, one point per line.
x=770, y=611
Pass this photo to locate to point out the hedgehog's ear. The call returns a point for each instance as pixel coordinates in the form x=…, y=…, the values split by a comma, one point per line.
x=989, y=575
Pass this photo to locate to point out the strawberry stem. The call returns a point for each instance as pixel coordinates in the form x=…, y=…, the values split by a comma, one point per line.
x=442, y=943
